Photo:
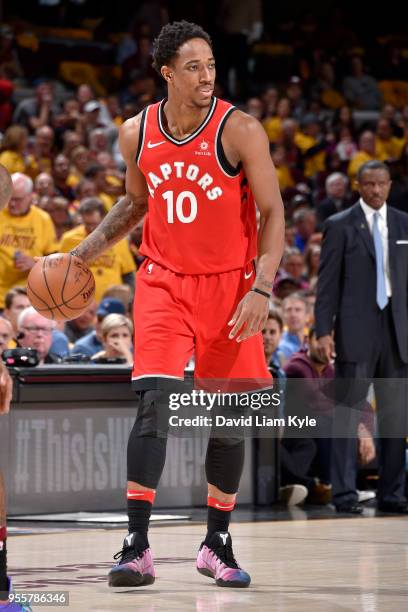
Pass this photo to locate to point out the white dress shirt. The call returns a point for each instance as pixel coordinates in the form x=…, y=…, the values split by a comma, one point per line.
x=369, y=213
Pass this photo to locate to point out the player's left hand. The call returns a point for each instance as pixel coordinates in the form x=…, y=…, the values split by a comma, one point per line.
x=6, y=389
x=249, y=317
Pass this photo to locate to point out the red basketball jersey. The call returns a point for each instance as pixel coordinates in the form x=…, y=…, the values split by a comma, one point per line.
x=201, y=217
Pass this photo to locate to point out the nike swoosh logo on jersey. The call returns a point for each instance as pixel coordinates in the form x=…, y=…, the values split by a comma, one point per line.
x=151, y=145
x=246, y=276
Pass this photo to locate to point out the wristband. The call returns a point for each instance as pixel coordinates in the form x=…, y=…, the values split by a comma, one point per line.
x=267, y=295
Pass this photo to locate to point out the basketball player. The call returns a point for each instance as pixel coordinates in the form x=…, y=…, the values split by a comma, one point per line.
x=195, y=165
x=6, y=389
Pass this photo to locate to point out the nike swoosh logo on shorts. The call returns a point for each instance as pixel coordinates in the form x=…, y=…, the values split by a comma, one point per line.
x=223, y=507
x=246, y=276
x=134, y=494
x=151, y=145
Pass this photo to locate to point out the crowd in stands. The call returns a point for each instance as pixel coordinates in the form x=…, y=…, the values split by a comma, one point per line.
x=327, y=104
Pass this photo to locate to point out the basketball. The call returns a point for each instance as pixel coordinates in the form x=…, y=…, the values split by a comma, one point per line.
x=6, y=187
x=60, y=286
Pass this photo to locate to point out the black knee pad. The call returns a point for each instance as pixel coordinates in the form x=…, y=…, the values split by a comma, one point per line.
x=146, y=451
x=153, y=414
x=224, y=463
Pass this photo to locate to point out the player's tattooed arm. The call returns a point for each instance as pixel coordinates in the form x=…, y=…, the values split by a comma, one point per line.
x=130, y=209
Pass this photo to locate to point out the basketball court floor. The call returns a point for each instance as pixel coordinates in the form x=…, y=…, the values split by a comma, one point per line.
x=304, y=565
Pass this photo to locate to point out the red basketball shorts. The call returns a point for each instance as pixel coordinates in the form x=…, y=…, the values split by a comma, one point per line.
x=177, y=316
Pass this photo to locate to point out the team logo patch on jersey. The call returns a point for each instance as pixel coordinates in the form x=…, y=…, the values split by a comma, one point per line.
x=203, y=149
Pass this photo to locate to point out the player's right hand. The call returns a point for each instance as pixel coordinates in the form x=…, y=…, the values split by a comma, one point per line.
x=249, y=317
x=325, y=347
x=6, y=389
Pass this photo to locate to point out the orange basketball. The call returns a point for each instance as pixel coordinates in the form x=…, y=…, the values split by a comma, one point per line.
x=60, y=286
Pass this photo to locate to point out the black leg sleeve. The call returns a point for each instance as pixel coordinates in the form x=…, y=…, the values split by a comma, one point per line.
x=146, y=452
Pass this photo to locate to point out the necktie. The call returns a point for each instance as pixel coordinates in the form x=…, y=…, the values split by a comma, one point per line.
x=382, y=299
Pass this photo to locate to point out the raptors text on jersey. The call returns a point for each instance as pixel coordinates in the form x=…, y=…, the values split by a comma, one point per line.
x=201, y=216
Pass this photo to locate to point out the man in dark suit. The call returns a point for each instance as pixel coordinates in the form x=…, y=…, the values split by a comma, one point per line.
x=362, y=295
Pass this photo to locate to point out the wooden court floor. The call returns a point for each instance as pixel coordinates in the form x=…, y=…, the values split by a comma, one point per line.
x=300, y=566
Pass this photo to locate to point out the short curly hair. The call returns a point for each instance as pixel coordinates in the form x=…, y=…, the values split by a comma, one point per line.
x=170, y=39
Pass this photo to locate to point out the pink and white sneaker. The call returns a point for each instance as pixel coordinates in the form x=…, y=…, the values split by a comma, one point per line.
x=135, y=567
x=216, y=560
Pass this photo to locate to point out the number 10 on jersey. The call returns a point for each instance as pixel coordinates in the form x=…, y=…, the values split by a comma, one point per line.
x=180, y=206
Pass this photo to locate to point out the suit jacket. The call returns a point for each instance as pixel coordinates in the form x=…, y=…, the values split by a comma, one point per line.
x=346, y=289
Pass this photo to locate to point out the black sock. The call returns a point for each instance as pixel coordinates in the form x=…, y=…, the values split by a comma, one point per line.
x=139, y=512
x=3, y=567
x=218, y=520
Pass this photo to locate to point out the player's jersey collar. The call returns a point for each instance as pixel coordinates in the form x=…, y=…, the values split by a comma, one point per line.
x=194, y=134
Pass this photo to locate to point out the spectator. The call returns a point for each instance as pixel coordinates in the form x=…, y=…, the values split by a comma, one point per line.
x=343, y=117
x=285, y=286
x=124, y=295
x=60, y=174
x=97, y=174
x=44, y=186
x=80, y=159
x=6, y=334
x=36, y=332
x=82, y=325
x=387, y=146
x=67, y=120
x=325, y=90
x=71, y=140
x=337, y=197
x=273, y=125
x=115, y=179
x=345, y=147
x=98, y=142
x=13, y=148
x=25, y=232
x=283, y=171
x=312, y=145
x=307, y=461
x=14, y=303
x=295, y=314
x=312, y=260
x=269, y=99
x=39, y=111
x=288, y=140
x=360, y=89
x=116, y=265
x=296, y=98
x=84, y=94
x=255, y=108
x=366, y=152
x=42, y=158
x=92, y=342
x=58, y=209
x=305, y=394
x=293, y=264
x=305, y=224
x=92, y=118
x=271, y=337
x=59, y=343
x=85, y=189
x=116, y=331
